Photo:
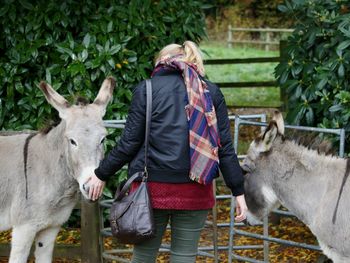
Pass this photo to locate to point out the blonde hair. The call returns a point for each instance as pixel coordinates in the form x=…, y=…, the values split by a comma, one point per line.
x=189, y=50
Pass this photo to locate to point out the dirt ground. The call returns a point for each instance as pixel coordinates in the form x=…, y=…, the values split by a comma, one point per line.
x=288, y=228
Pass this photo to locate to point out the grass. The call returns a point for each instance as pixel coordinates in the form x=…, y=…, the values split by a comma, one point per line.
x=265, y=97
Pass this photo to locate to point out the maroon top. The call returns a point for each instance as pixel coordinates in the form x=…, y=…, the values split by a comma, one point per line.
x=183, y=196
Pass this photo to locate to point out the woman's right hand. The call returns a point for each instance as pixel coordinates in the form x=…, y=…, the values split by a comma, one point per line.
x=95, y=187
x=241, y=208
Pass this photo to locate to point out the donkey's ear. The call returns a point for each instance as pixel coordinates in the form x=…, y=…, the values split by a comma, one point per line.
x=55, y=99
x=278, y=118
x=105, y=94
x=268, y=137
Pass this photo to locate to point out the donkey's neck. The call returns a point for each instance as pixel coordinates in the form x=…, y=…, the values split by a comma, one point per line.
x=302, y=179
x=55, y=137
x=56, y=148
x=54, y=168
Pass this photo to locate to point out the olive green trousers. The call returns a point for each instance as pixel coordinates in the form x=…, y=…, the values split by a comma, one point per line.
x=186, y=226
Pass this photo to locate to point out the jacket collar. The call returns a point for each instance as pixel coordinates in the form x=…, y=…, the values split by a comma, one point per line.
x=166, y=72
x=171, y=71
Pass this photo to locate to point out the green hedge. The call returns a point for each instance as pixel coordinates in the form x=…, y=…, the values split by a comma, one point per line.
x=315, y=71
x=74, y=45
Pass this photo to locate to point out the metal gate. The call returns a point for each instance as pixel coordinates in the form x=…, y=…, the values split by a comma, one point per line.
x=212, y=251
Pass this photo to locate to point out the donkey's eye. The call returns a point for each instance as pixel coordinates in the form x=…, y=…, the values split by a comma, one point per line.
x=72, y=142
x=103, y=140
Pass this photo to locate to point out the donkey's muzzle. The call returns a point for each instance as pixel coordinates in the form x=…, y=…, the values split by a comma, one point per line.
x=86, y=187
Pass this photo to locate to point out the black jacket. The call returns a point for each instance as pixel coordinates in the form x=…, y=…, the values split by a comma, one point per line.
x=168, y=157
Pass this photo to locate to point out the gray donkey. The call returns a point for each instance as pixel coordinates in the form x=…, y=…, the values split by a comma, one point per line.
x=311, y=185
x=41, y=173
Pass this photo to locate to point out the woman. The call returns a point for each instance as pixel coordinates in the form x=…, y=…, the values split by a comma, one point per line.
x=189, y=141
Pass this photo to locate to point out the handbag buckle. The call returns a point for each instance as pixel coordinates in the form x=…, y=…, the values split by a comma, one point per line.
x=145, y=174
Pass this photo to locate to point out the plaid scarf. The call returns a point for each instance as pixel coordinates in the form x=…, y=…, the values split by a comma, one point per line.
x=203, y=131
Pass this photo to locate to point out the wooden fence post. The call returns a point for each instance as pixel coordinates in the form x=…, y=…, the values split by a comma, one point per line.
x=284, y=97
x=268, y=40
x=91, y=242
x=229, y=36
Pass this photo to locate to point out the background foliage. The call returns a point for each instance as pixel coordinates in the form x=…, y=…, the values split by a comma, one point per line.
x=244, y=13
x=315, y=71
x=75, y=44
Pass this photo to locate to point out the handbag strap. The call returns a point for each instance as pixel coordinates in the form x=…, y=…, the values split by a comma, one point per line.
x=119, y=194
x=148, y=122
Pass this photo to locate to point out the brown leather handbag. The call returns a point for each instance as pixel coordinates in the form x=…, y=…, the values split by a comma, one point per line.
x=131, y=214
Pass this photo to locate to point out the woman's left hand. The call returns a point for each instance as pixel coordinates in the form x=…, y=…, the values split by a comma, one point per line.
x=95, y=187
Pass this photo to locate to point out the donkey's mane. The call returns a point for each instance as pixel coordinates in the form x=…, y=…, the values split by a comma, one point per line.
x=48, y=126
x=11, y=133
x=81, y=101
x=311, y=141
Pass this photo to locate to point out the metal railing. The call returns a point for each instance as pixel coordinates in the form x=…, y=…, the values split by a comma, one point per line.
x=239, y=120
x=202, y=251
x=93, y=232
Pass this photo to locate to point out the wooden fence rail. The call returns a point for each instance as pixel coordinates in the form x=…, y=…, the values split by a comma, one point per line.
x=250, y=84
x=266, y=40
x=253, y=84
